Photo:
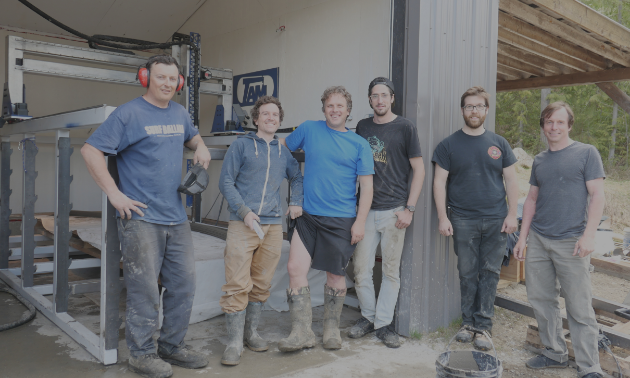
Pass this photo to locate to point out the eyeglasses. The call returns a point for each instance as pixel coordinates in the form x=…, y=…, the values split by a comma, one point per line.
x=384, y=96
x=469, y=108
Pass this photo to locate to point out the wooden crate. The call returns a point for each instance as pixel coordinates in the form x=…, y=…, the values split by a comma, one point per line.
x=515, y=272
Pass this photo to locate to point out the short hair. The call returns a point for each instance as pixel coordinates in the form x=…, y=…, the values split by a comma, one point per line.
x=551, y=108
x=255, y=112
x=163, y=59
x=339, y=89
x=476, y=91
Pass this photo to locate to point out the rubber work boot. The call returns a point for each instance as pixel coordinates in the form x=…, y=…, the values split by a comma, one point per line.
x=302, y=335
x=251, y=337
x=464, y=335
x=333, y=304
x=483, y=342
x=185, y=357
x=235, y=324
x=150, y=366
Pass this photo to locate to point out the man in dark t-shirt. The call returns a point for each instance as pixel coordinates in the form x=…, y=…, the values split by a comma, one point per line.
x=396, y=151
x=563, y=180
x=474, y=162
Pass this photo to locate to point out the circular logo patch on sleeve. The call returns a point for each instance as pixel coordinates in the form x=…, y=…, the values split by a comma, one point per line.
x=494, y=152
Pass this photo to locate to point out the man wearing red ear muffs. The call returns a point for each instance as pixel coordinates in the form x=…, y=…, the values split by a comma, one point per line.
x=146, y=137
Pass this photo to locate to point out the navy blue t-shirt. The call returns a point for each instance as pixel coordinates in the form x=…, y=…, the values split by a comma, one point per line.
x=333, y=160
x=148, y=143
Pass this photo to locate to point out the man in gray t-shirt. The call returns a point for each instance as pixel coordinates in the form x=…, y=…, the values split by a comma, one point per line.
x=566, y=181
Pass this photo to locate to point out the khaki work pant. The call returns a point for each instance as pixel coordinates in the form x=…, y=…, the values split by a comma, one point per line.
x=550, y=268
x=249, y=265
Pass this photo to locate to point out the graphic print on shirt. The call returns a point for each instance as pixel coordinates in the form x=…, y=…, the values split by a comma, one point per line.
x=494, y=152
x=378, y=149
x=164, y=129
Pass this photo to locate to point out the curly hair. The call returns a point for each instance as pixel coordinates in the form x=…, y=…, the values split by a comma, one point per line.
x=339, y=89
x=551, y=108
x=255, y=112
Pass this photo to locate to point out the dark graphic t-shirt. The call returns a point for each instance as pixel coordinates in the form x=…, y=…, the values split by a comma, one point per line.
x=475, y=180
x=393, y=144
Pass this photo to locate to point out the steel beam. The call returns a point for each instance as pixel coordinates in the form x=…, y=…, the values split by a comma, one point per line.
x=48, y=267
x=5, y=194
x=79, y=119
x=29, y=150
x=62, y=222
x=41, y=251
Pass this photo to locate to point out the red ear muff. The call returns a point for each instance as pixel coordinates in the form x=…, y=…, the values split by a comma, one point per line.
x=143, y=76
x=180, y=82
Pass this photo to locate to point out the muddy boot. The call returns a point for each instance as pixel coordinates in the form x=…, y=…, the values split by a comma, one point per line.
x=333, y=304
x=150, y=366
x=235, y=324
x=252, y=338
x=302, y=335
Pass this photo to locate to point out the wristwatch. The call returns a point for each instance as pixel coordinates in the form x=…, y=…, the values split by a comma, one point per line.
x=410, y=208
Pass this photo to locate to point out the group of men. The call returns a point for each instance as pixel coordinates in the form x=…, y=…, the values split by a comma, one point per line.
x=331, y=221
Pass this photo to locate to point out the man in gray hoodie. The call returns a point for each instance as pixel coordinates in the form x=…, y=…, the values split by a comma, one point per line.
x=253, y=169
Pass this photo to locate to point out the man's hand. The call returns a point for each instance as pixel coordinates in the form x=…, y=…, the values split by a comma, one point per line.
x=126, y=205
x=404, y=218
x=519, y=249
x=295, y=211
x=445, y=227
x=584, y=246
x=358, y=232
x=249, y=220
x=510, y=225
x=202, y=155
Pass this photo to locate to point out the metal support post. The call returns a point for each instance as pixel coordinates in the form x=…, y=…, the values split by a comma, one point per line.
x=29, y=149
x=5, y=194
x=61, y=290
x=110, y=277
x=226, y=100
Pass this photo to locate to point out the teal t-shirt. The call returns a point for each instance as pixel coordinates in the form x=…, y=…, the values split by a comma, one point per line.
x=333, y=161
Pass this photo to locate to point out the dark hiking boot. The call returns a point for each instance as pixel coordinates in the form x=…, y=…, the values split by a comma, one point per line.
x=333, y=304
x=302, y=335
x=464, y=335
x=150, y=366
x=361, y=328
x=592, y=375
x=251, y=337
x=544, y=362
x=235, y=324
x=483, y=342
x=185, y=357
x=388, y=337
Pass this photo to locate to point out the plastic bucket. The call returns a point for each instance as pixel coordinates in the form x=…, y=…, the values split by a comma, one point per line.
x=488, y=366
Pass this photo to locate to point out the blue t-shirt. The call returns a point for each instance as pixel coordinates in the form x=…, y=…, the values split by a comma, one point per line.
x=334, y=159
x=148, y=143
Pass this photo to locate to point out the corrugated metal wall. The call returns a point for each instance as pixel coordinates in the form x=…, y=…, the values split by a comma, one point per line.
x=451, y=45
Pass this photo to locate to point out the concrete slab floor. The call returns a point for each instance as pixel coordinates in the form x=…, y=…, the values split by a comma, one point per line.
x=40, y=349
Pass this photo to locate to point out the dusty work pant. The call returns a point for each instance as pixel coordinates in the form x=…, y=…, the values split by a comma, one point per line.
x=549, y=268
x=249, y=264
x=479, y=245
x=379, y=227
x=150, y=251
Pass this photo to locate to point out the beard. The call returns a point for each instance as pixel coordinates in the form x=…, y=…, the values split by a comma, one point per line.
x=474, y=124
x=380, y=112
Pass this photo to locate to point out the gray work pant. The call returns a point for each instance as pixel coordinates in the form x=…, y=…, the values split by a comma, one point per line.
x=150, y=251
x=549, y=268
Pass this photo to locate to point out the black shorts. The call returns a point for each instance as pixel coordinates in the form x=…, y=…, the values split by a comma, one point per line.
x=327, y=240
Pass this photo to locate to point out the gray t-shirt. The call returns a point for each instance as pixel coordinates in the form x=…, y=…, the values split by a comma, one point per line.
x=561, y=178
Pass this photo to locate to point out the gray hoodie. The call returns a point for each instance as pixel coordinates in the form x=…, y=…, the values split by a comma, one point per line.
x=251, y=175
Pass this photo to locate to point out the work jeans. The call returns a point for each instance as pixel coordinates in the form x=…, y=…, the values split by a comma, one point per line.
x=551, y=268
x=379, y=227
x=479, y=245
x=250, y=264
x=151, y=251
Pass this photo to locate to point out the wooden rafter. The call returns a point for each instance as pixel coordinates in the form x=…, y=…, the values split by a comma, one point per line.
x=564, y=31
x=548, y=66
x=617, y=95
x=537, y=41
x=589, y=19
x=617, y=74
x=511, y=72
x=520, y=65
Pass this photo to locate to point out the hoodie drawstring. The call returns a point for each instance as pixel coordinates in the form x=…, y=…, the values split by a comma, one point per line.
x=255, y=146
x=279, y=149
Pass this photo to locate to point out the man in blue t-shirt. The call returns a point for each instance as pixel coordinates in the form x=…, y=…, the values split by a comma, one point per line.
x=146, y=136
x=330, y=226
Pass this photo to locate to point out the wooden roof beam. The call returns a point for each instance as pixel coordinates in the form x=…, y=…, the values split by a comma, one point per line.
x=501, y=76
x=520, y=65
x=564, y=31
x=511, y=73
x=548, y=66
x=616, y=94
x=533, y=39
x=589, y=19
x=581, y=78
